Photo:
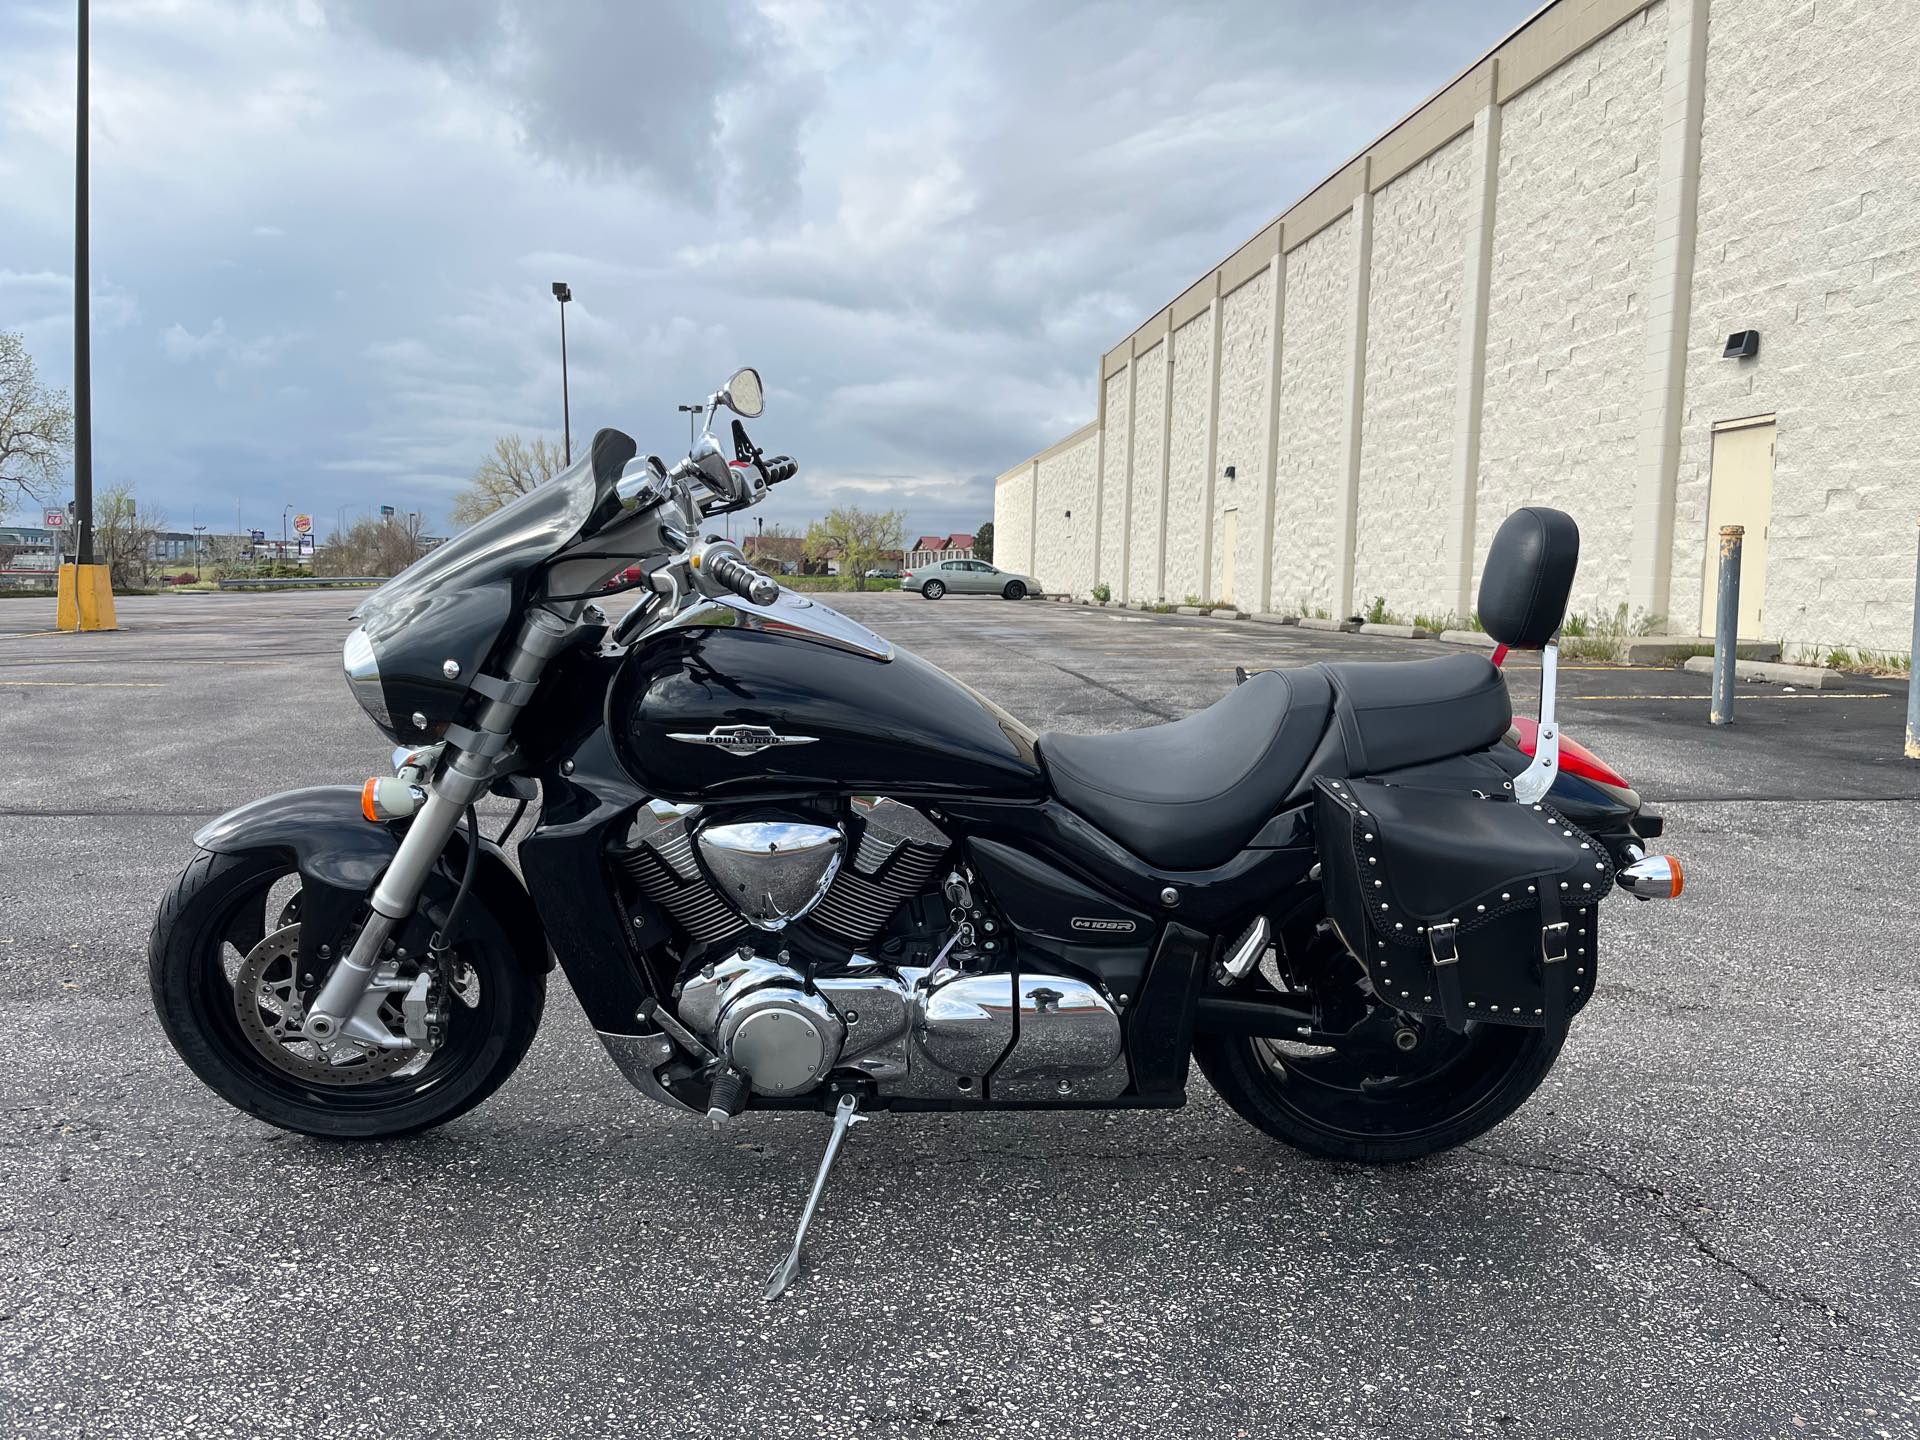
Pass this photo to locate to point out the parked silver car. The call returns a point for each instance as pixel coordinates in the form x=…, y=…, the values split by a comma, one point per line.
x=968, y=577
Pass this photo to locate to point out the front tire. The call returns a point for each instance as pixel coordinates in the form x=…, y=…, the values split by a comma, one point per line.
x=1015, y=590
x=212, y=919
x=1332, y=1104
x=932, y=590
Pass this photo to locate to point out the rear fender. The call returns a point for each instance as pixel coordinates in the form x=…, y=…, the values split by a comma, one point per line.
x=341, y=855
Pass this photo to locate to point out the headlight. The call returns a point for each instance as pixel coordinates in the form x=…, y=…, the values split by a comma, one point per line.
x=363, y=677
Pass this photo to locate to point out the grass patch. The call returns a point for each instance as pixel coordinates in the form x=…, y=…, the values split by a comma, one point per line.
x=1603, y=636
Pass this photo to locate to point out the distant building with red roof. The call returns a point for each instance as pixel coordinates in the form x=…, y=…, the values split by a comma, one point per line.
x=932, y=549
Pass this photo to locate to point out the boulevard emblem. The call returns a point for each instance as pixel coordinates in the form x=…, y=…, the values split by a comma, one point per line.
x=743, y=739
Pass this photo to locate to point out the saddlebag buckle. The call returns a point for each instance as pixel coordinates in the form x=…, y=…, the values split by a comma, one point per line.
x=1553, y=943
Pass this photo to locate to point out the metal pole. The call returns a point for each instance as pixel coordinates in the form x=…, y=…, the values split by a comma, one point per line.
x=82, y=329
x=1913, y=691
x=1726, y=637
x=566, y=405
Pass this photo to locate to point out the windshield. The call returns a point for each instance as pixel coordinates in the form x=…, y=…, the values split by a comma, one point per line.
x=432, y=626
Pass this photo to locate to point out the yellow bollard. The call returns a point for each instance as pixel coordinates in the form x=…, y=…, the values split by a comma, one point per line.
x=85, y=599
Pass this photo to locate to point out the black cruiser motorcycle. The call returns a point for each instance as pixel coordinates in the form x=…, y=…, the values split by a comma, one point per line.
x=785, y=865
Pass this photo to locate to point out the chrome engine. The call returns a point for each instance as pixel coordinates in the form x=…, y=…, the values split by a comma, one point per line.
x=961, y=1025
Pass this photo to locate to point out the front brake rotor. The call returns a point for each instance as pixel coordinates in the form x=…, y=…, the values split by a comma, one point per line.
x=267, y=1003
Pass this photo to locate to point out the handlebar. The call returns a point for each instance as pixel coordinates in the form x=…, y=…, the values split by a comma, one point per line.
x=780, y=467
x=741, y=578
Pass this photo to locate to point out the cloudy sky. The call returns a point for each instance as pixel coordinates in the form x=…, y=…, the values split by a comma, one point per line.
x=325, y=230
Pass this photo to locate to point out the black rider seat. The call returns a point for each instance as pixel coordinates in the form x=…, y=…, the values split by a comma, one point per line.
x=1186, y=795
x=1189, y=795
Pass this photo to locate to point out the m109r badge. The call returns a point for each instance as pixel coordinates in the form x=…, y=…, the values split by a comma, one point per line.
x=1103, y=927
x=744, y=739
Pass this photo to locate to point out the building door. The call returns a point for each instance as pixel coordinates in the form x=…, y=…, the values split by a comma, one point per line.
x=1740, y=492
x=1229, y=555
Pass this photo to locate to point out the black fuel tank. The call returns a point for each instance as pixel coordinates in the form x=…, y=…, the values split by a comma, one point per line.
x=689, y=706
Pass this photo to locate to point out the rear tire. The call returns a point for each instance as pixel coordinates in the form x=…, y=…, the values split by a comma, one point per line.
x=1474, y=1082
x=213, y=910
x=1015, y=590
x=932, y=590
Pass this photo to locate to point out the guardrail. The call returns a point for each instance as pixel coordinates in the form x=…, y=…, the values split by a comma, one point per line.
x=271, y=583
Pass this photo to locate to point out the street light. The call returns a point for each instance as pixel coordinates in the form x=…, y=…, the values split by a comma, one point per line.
x=563, y=295
x=283, y=532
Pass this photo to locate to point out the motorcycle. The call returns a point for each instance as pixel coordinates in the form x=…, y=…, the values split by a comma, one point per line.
x=786, y=865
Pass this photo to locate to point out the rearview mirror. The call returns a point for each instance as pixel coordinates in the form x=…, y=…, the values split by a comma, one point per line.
x=744, y=394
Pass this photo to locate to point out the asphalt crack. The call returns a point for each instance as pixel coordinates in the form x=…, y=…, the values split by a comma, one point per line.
x=1656, y=1201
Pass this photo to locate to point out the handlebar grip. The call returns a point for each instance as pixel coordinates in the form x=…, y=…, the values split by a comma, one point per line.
x=780, y=467
x=743, y=579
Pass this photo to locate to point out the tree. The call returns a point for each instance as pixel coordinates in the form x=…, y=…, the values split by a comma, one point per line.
x=36, y=427
x=983, y=543
x=123, y=534
x=856, y=538
x=371, y=547
x=512, y=470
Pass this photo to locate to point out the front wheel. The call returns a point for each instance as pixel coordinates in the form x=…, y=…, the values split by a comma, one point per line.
x=1015, y=590
x=1397, y=1090
x=932, y=590
x=222, y=963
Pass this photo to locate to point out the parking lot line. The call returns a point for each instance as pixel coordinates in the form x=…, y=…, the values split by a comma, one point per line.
x=83, y=684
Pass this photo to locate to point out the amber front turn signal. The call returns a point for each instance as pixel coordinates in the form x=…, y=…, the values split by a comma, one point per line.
x=390, y=799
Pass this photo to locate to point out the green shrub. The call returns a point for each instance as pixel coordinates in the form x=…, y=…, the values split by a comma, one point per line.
x=1103, y=592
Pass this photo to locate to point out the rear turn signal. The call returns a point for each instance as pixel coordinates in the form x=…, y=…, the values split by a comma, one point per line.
x=390, y=799
x=1657, y=877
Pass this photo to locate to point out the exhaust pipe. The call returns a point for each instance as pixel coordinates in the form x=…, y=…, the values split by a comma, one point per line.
x=1652, y=877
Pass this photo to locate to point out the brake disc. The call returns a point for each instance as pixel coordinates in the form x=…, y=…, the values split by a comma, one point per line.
x=267, y=1002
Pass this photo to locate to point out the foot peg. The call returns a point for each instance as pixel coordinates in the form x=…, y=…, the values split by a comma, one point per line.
x=846, y=1115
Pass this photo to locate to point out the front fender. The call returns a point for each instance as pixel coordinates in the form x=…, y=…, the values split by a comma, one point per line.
x=341, y=855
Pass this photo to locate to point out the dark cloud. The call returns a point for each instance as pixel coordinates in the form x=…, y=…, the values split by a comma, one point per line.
x=325, y=229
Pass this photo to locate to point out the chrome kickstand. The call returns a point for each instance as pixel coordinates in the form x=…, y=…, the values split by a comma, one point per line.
x=846, y=1115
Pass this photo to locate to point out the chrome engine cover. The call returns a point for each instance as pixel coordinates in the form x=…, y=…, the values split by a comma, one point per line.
x=771, y=871
x=759, y=1015
x=982, y=1036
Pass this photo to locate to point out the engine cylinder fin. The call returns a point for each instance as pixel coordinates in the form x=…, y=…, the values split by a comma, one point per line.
x=693, y=904
x=856, y=906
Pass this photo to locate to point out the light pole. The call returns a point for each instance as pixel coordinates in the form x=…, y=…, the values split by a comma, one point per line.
x=563, y=295
x=285, y=511
x=82, y=331
x=199, y=544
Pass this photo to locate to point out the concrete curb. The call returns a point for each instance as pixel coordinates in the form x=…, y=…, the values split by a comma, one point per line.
x=1469, y=637
x=1397, y=632
x=1189, y=610
x=1806, y=677
x=1266, y=619
x=1666, y=649
x=1345, y=627
x=1223, y=612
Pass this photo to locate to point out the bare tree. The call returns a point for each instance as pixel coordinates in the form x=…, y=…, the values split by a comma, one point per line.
x=123, y=534
x=857, y=538
x=36, y=426
x=226, y=552
x=371, y=547
x=512, y=470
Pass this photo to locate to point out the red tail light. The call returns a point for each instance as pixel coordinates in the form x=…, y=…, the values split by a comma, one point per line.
x=1575, y=758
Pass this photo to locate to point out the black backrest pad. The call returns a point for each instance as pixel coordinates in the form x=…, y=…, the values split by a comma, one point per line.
x=1528, y=575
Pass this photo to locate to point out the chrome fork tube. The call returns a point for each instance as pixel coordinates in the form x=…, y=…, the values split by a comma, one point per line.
x=462, y=782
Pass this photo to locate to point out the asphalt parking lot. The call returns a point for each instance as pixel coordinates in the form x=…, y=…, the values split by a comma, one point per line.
x=1701, y=1226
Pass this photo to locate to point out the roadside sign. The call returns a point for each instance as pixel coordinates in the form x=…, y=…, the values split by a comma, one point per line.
x=56, y=519
x=386, y=512
x=306, y=543
x=303, y=524
x=259, y=537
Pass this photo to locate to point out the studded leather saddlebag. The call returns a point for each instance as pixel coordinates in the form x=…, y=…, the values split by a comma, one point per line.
x=1464, y=907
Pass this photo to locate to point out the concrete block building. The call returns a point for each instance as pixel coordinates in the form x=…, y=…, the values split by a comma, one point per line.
x=1529, y=290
